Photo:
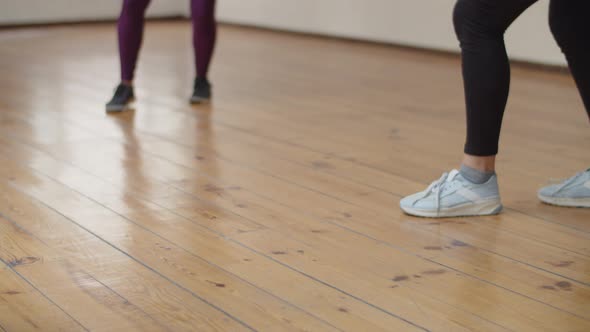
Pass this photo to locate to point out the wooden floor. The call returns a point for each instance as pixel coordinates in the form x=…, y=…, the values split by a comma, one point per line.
x=275, y=208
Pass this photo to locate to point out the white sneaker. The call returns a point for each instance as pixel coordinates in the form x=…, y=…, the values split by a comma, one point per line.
x=573, y=192
x=454, y=196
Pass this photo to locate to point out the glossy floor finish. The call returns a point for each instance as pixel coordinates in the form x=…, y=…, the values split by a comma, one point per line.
x=274, y=208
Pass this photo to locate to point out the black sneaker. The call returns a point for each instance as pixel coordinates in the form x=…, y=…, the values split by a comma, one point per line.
x=123, y=96
x=202, y=91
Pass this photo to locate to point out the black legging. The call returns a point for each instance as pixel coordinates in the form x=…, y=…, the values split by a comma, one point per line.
x=480, y=27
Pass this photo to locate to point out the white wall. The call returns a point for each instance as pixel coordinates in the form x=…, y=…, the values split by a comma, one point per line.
x=49, y=11
x=422, y=23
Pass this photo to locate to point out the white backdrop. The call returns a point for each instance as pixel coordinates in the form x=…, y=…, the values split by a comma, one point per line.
x=48, y=11
x=422, y=23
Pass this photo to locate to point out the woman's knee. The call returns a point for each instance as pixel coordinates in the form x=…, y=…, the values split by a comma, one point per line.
x=567, y=27
x=460, y=17
x=469, y=23
x=481, y=20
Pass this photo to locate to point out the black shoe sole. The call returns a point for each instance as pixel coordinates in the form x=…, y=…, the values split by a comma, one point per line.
x=119, y=108
x=198, y=100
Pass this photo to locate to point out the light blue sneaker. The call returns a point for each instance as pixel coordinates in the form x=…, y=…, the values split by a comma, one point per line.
x=573, y=192
x=454, y=196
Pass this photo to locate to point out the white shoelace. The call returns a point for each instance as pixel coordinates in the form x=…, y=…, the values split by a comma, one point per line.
x=437, y=187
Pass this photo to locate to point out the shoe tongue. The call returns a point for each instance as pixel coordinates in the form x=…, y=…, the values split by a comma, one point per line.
x=452, y=175
x=119, y=92
x=122, y=88
x=201, y=81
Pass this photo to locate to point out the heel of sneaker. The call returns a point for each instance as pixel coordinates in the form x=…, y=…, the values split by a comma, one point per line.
x=487, y=208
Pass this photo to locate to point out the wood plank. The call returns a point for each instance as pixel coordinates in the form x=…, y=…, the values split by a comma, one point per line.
x=252, y=305
x=347, y=307
x=82, y=275
x=217, y=195
x=540, y=206
x=520, y=193
x=245, y=178
x=326, y=301
x=297, y=165
x=24, y=308
x=73, y=289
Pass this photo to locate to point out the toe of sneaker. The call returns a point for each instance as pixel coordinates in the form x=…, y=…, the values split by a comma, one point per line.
x=548, y=191
x=409, y=201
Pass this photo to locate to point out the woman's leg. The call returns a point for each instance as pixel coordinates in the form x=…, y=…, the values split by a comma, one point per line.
x=480, y=27
x=570, y=24
x=204, y=34
x=130, y=30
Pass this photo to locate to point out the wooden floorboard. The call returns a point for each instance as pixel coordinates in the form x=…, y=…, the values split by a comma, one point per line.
x=24, y=308
x=275, y=207
x=99, y=285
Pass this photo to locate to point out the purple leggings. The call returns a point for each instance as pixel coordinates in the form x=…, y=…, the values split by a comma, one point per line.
x=130, y=28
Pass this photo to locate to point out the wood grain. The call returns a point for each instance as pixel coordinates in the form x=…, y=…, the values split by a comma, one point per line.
x=275, y=207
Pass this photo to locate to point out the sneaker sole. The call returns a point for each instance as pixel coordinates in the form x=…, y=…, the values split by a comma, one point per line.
x=566, y=202
x=198, y=100
x=119, y=108
x=487, y=208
